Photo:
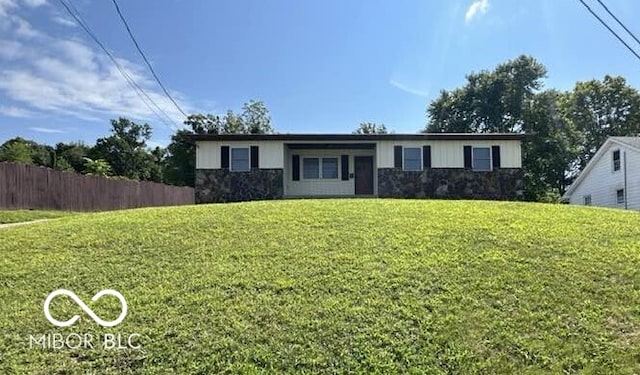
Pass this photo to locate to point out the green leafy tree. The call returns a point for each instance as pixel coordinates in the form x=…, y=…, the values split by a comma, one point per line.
x=125, y=150
x=98, y=167
x=255, y=118
x=551, y=146
x=508, y=99
x=371, y=128
x=16, y=150
x=180, y=159
x=600, y=109
x=73, y=154
x=490, y=101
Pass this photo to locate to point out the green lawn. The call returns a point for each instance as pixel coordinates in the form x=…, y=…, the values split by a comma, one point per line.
x=18, y=216
x=329, y=286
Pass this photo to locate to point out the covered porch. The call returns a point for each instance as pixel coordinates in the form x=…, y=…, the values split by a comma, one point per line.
x=330, y=169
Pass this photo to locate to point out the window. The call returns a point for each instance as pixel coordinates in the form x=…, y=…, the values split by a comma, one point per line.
x=310, y=168
x=412, y=159
x=616, y=160
x=482, y=158
x=329, y=167
x=620, y=195
x=587, y=200
x=315, y=168
x=240, y=159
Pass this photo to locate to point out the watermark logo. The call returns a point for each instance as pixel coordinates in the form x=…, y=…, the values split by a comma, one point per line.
x=85, y=340
x=84, y=307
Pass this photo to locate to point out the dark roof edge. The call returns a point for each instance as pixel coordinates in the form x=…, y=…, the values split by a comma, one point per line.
x=357, y=137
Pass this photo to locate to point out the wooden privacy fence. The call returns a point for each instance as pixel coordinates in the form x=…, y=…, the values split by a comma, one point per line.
x=30, y=187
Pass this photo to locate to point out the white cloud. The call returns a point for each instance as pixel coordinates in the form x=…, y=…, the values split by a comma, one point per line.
x=35, y=3
x=61, y=20
x=6, y=6
x=410, y=90
x=12, y=111
x=48, y=73
x=47, y=130
x=477, y=8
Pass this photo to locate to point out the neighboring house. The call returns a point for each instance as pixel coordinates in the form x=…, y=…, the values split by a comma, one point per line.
x=611, y=178
x=239, y=167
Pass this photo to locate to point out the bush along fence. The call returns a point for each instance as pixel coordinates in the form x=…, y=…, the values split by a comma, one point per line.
x=32, y=187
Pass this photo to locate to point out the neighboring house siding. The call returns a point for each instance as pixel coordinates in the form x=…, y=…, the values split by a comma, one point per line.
x=449, y=154
x=602, y=182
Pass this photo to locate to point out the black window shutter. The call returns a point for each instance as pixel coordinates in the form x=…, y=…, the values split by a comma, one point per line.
x=495, y=155
x=344, y=164
x=467, y=157
x=397, y=156
x=224, y=157
x=295, y=167
x=254, y=157
x=426, y=157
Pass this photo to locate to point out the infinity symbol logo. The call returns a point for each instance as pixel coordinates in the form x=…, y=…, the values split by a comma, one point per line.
x=84, y=307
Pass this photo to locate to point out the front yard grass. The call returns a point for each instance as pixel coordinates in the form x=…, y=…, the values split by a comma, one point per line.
x=332, y=286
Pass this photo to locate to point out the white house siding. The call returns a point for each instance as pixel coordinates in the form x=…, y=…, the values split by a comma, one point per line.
x=450, y=153
x=271, y=154
x=325, y=187
x=601, y=182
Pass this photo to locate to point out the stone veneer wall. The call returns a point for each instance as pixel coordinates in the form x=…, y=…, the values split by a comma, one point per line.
x=222, y=185
x=501, y=183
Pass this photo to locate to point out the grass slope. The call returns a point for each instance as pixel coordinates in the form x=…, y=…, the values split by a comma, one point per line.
x=333, y=286
x=19, y=216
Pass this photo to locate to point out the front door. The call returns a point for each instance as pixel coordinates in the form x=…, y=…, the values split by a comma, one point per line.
x=364, y=175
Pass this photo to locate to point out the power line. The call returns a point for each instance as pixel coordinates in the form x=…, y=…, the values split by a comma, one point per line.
x=126, y=25
x=138, y=90
x=619, y=22
x=610, y=29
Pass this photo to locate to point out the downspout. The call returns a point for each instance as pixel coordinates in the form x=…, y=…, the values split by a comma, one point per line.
x=624, y=160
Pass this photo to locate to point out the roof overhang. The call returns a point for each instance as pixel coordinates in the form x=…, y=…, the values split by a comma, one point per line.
x=360, y=137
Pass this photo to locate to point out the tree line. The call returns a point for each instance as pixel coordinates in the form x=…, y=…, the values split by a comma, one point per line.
x=563, y=129
x=125, y=152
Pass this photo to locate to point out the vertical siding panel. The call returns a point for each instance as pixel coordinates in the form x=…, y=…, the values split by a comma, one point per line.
x=33, y=187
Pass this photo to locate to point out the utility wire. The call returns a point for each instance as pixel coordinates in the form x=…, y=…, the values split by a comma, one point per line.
x=144, y=57
x=138, y=90
x=610, y=29
x=619, y=22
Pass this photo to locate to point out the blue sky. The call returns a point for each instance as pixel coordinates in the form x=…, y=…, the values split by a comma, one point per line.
x=320, y=66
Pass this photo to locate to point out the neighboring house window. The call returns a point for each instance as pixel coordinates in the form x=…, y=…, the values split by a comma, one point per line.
x=481, y=158
x=412, y=159
x=315, y=168
x=329, y=167
x=587, y=200
x=620, y=195
x=240, y=159
x=310, y=168
x=616, y=160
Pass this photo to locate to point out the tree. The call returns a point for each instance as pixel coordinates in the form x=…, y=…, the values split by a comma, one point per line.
x=551, y=146
x=98, y=167
x=507, y=99
x=125, y=150
x=600, y=109
x=255, y=117
x=371, y=128
x=180, y=164
x=180, y=159
x=490, y=101
x=16, y=150
x=73, y=154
